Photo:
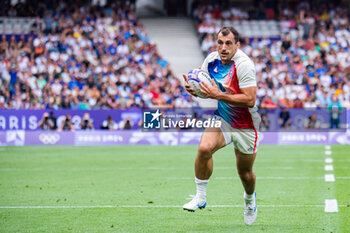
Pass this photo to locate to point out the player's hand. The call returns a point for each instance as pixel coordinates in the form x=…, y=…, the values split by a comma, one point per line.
x=188, y=88
x=210, y=91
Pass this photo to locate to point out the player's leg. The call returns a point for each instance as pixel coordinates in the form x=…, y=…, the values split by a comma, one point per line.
x=212, y=140
x=246, y=143
x=244, y=163
x=245, y=170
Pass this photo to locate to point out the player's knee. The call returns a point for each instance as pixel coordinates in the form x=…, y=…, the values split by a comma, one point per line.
x=205, y=150
x=246, y=175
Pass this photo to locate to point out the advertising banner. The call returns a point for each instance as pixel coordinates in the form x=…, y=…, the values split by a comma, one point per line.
x=49, y=138
x=137, y=137
x=28, y=120
x=22, y=119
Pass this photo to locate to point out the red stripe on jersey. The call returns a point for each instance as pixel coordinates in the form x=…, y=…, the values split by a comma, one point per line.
x=233, y=85
x=242, y=117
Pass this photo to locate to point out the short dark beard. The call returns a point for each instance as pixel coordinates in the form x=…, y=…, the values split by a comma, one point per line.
x=229, y=60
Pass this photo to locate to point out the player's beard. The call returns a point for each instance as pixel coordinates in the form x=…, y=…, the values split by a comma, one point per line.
x=228, y=57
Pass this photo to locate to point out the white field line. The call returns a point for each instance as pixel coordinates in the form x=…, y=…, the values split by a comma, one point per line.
x=331, y=205
x=272, y=178
x=328, y=160
x=259, y=178
x=288, y=160
x=87, y=169
x=328, y=152
x=328, y=168
x=154, y=206
x=123, y=168
x=277, y=167
x=329, y=178
x=343, y=160
x=327, y=147
x=296, y=160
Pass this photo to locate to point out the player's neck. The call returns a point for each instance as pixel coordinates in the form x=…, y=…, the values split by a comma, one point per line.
x=226, y=62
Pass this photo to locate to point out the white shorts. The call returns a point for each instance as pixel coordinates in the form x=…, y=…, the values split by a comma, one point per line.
x=244, y=140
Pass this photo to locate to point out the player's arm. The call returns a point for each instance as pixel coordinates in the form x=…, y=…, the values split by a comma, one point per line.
x=244, y=99
x=247, y=86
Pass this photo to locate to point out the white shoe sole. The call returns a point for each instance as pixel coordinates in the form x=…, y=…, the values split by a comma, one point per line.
x=199, y=207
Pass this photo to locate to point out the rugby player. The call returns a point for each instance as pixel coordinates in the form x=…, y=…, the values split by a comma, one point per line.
x=234, y=86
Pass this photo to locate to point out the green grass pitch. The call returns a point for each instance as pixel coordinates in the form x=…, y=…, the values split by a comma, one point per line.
x=142, y=189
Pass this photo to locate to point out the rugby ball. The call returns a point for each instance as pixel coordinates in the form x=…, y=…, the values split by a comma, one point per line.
x=196, y=76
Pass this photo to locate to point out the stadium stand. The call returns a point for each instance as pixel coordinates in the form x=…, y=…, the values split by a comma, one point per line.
x=301, y=53
x=79, y=56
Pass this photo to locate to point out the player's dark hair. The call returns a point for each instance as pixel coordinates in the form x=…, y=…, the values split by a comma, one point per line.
x=227, y=30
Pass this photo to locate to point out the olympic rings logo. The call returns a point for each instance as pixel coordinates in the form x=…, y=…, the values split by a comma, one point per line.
x=49, y=138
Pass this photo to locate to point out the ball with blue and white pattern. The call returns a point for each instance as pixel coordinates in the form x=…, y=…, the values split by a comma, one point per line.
x=196, y=76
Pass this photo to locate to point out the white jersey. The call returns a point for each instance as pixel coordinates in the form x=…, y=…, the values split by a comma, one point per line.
x=230, y=78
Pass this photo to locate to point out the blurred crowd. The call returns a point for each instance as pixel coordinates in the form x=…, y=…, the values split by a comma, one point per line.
x=86, y=57
x=50, y=122
x=101, y=57
x=309, y=67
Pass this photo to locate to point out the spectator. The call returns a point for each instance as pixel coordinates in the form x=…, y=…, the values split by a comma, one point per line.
x=53, y=119
x=86, y=123
x=2, y=102
x=284, y=120
x=66, y=124
x=298, y=103
x=334, y=109
x=312, y=122
x=109, y=124
x=265, y=123
x=127, y=124
x=46, y=123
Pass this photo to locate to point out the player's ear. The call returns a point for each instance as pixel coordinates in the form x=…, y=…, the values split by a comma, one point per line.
x=238, y=44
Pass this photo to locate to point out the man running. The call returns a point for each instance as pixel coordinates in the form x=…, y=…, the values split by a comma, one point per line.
x=234, y=86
